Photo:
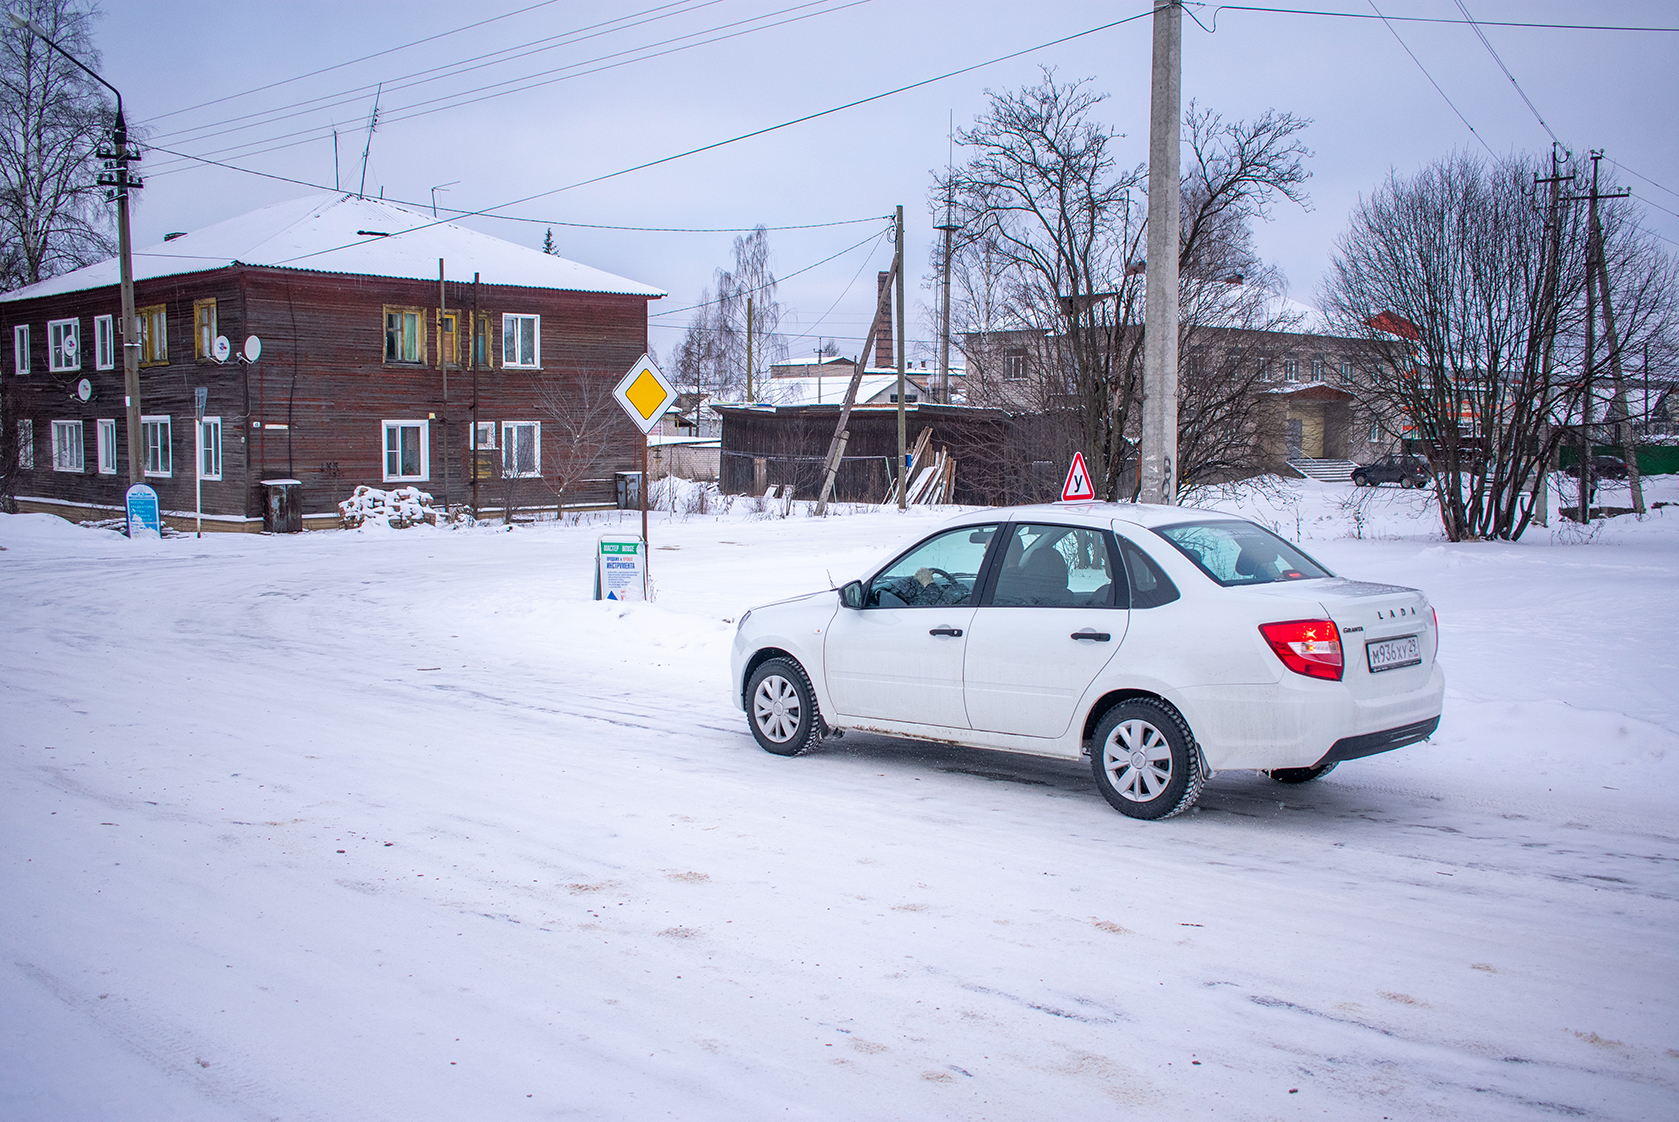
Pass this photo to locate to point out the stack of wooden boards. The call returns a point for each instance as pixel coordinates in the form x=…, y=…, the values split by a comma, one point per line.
x=931, y=476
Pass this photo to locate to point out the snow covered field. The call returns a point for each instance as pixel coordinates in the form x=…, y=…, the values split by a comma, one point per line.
x=403, y=825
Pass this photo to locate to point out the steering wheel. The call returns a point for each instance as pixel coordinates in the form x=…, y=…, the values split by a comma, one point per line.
x=941, y=573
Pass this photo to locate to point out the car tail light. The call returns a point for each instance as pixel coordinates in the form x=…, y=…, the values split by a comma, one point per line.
x=1436, y=615
x=1307, y=646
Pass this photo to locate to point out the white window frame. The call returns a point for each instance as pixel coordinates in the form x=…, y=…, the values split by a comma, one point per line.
x=163, y=465
x=1346, y=370
x=1291, y=370
x=484, y=435
x=26, y=443
x=20, y=348
x=104, y=343
x=57, y=329
x=68, y=453
x=510, y=448
x=386, y=451
x=209, y=452
x=1014, y=367
x=106, y=437
x=512, y=355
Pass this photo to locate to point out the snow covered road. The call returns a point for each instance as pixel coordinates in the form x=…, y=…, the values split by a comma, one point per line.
x=405, y=826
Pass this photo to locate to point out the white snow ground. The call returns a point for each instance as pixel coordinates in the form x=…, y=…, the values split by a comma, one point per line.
x=402, y=825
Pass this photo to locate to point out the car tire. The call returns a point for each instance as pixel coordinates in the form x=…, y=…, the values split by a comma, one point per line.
x=781, y=708
x=1145, y=761
x=1405, y=483
x=1301, y=774
x=1360, y=480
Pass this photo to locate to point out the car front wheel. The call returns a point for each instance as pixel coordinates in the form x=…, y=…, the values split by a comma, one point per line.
x=781, y=708
x=1144, y=760
x=1360, y=480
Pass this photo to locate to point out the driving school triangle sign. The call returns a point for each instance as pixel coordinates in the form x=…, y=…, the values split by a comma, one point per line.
x=1077, y=488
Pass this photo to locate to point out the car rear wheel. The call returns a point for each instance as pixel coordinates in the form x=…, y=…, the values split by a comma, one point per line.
x=1300, y=774
x=1360, y=480
x=1406, y=484
x=781, y=708
x=1144, y=760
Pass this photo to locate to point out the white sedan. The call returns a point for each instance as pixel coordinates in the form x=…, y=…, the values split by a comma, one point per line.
x=1164, y=643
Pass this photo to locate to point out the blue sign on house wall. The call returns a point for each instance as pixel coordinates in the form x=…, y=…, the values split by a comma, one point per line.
x=143, y=516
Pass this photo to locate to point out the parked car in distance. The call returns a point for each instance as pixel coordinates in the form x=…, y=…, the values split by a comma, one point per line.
x=1164, y=643
x=1603, y=467
x=1407, y=471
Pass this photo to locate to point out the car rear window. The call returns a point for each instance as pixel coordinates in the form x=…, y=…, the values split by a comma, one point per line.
x=1237, y=553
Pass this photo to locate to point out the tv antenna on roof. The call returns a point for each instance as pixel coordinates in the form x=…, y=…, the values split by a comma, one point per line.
x=372, y=123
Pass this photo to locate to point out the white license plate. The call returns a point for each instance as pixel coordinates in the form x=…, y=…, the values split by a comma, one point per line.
x=1391, y=654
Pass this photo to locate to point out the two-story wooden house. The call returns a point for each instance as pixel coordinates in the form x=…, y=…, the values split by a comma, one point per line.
x=396, y=350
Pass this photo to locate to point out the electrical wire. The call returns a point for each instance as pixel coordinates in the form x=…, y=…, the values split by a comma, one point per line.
x=772, y=282
x=843, y=294
x=771, y=128
x=1431, y=80
x=1645, y=178
x=1487, y=43
x=1432, y=19
x=460, y=98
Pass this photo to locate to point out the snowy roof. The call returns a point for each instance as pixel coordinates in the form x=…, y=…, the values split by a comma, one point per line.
x=831, y=391
x=333, y=233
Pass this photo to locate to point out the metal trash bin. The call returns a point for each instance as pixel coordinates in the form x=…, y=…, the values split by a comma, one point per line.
x=283, y=511
x=628, y=486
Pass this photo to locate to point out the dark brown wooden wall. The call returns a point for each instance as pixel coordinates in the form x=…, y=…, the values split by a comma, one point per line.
x=322, y=375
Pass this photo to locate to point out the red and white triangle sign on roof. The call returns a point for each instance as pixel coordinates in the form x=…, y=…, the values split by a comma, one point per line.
x=1077, y=489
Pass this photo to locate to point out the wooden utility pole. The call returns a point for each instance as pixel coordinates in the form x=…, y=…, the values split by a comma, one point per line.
x=1549, y=310
x=749, y=348
x=1160, y=313
x=903, y=431
x=1594, y=253
x=836, y=447
x=472, y=359
x=443, y=364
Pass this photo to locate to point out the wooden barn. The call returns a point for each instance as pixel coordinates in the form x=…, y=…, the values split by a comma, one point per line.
x=767, y=446
x=396, y=350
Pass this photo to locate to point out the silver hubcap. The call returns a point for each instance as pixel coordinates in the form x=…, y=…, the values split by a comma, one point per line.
x=1138, y=761
x=775, y=706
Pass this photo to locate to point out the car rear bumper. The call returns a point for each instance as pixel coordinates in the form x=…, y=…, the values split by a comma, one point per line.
x=1372, y=743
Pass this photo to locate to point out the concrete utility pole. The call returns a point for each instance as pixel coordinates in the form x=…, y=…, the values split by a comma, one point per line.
x=749, y=348
x=116, y=177
x=943, y=393
x=903, y=431
x=1593, y=250
x=1553, y=264
x=1160, y=314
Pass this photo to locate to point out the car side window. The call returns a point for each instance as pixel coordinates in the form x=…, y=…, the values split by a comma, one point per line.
x=940, y=572
x=1054, y=567
x=1150, y=588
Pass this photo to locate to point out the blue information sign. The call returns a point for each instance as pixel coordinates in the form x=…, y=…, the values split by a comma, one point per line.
x=143, y=516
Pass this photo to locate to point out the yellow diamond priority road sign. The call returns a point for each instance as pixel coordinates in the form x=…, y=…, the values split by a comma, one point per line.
x=645, y=394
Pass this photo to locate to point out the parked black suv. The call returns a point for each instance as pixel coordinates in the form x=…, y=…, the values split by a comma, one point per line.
x=1407, y=471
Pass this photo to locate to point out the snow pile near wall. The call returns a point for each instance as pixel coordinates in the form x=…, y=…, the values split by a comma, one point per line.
x=686, y=496
x=399, y=508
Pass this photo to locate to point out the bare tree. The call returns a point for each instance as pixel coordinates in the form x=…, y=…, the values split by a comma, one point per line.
x=53, y=120
x=1051, y=253
x=1474, y=302
x=581, y=423
x=712, y=356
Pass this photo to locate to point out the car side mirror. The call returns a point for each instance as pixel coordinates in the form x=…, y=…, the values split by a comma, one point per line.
x=851, y=595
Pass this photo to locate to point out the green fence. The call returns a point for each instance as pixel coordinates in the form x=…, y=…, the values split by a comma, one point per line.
x=1653, y=459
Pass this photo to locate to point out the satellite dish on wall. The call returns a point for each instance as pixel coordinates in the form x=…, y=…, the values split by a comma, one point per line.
x=84, y=390
x=70, y=346
x=221, y=348
x=253, y=348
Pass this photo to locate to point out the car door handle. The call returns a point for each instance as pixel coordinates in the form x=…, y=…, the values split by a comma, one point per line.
x=1093, y=636
x=955, y=632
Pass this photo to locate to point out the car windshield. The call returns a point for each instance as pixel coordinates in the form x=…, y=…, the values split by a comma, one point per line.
x=1240, y=553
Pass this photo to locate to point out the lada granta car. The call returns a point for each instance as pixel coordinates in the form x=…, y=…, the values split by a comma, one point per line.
x=1164, y=643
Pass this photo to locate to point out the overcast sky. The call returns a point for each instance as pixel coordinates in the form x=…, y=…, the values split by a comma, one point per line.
x=616, y=106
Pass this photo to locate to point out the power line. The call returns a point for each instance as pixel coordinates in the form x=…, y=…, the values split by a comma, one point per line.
x=460, y=98
x=1432, y=19
x=1645, y=178
x=1487, y=43
x=774, y=128
x=1431, y=80
x=772, y=282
